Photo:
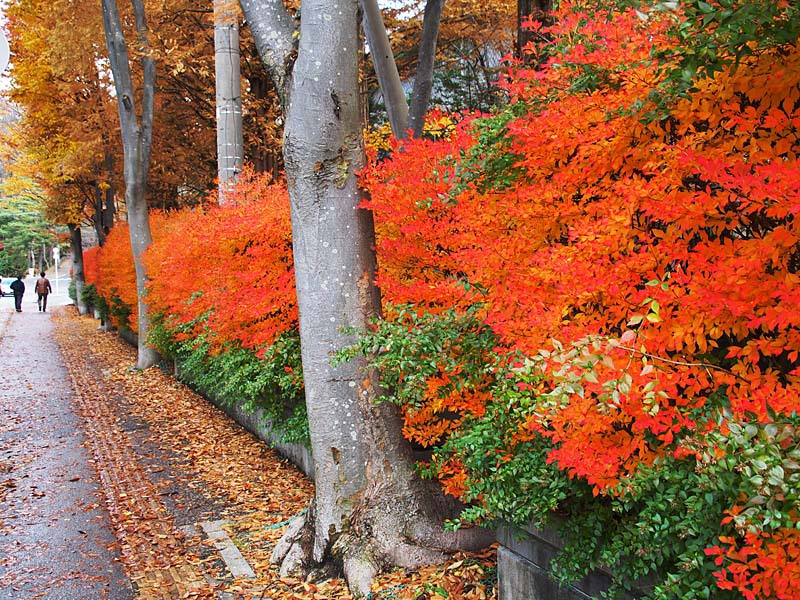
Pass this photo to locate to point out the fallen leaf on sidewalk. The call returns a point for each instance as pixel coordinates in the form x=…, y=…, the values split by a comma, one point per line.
x=258, y=491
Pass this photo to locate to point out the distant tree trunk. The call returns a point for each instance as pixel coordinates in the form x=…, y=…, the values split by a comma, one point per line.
x=423, y=80
x=136, y=142
x=265, y=159
x=536, y=9
x=77, y=266
x=97, y=217
x=109, y=207
x=370, y=511
x=258, y=155
x=104, y=202
x=229, y=93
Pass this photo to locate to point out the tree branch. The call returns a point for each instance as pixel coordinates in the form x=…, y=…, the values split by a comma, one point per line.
x=380, y=50
x=148, y=91
x=678, y=363
x=423, y=82
x=120, y=69
x=274, y=32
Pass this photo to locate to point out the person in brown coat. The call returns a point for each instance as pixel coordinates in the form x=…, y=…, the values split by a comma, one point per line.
x=42, y=289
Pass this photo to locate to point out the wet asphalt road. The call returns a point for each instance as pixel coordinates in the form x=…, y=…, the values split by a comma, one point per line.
x=56, y=540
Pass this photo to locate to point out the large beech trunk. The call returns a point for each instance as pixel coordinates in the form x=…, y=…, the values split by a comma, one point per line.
x=136, y=141
x=370, y=511
x=322, y=149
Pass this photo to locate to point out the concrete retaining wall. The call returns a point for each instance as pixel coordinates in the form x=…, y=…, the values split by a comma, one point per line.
x=523, y=562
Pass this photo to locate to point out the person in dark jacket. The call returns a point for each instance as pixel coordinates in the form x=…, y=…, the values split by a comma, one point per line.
x=18, y=287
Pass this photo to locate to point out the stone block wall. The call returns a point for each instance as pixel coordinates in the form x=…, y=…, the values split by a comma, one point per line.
x=523, y=562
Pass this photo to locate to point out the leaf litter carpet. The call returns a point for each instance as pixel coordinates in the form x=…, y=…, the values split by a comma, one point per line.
x=167, y=460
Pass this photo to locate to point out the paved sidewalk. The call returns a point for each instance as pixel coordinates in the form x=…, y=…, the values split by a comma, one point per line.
x=55, y=535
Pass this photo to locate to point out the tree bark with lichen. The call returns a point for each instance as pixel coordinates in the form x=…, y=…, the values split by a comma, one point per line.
x=370, y=510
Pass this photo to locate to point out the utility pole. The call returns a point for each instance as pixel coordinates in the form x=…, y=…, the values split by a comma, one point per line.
x=229, y=93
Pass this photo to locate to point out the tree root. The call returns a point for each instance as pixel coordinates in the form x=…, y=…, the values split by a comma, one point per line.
x=293, y=550
x=385, y=530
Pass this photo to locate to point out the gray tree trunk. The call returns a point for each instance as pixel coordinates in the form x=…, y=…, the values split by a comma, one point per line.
x=77, y=266
x=230, y=144
x=423, y=80
x=109, y=206
x=380, y=50
x=136, y=142
x=401, y=118
x=273, y=30
x=104, y=202
x=370, y=511
x=97, y=217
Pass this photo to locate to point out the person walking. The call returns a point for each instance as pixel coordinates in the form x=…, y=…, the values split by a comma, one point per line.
x=43, y=288
x=18, y=287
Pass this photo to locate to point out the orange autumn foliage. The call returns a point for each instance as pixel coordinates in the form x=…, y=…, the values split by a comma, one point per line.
x=612, y=203
x=585, y=223
x=760, y=565
x=91, y=264
x=110, y=269
x=232, y=263
x=703, y=202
